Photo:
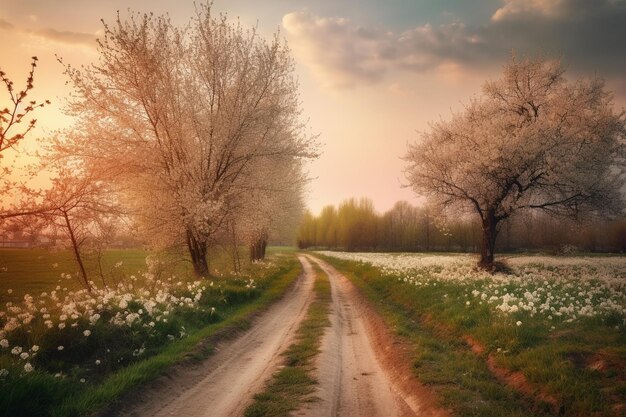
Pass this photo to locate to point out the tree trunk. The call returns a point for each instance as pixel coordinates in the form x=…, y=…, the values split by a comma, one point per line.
x=236, y=260
x=76, y=250
x=488, y=246
x=258, y=247
x=197, y=251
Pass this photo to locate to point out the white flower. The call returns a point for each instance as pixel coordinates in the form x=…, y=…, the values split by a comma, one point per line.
x=87, y=333
x=24, y=355
x=98, y=362
x=61, y=347
x=82, y=380
x=4, y=343
x=16, y=350
x=35, y=348
x=61, y=326
x=519, y=323
x=28, y=367
x=4, y=372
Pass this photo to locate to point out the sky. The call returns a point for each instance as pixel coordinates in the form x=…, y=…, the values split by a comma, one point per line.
x=372, y=74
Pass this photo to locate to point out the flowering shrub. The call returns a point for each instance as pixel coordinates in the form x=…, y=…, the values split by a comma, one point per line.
x=556, y=288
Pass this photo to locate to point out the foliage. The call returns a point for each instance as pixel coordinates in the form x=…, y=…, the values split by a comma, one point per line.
x=355, y=226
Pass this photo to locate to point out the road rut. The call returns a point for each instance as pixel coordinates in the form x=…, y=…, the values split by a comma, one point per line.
x=353, y=379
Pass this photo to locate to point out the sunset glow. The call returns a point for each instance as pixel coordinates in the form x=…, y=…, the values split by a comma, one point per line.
x=371, y=76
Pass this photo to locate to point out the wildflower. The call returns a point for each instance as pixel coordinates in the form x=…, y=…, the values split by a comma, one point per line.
x=24, y=355
x=16, y=350
x=519, y=323
x=82, y=380
x=87, y=333
x=10, y=291
x=4, y=343
x=61, y=326
x=28, y=367
x=35, y=348
x=4, y=372
x=98, y=362
x=60, y=348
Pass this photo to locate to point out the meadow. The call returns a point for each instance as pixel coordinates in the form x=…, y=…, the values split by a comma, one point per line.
x=68, y=351
x=546, y=337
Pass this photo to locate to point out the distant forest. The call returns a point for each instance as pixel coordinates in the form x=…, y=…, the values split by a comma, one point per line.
x=356, y=226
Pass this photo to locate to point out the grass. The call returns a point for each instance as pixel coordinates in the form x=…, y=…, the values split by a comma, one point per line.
x=437, y=321
x=293, y=384
x=40, y=393
x=33, y=271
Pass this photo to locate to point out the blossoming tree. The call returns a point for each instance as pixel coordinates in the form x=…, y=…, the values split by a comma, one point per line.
x=533, y=140
x=182, y=118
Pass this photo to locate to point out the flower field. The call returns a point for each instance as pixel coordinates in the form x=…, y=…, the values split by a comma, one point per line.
x=71, y=338
x=555, y=288
x=548, y=337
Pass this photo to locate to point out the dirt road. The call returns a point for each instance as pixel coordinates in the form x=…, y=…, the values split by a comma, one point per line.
x=352, y=379
x=225, y=383
x=362, y=370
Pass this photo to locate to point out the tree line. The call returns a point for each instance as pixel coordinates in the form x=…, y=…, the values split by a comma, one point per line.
x=354, y=225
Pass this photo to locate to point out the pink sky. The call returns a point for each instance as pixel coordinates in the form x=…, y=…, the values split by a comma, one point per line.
x=371, y=76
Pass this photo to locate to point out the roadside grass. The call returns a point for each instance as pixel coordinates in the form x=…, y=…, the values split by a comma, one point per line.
x=293, y=385
x=570, y=368
x=33, y=271
x=93, y=371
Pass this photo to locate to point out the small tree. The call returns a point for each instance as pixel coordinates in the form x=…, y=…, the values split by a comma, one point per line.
x=83, y=208
x=532, y=141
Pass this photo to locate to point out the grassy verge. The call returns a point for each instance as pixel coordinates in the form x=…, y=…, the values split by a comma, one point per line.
x=292, y=385
x=93, y=371
x=575, y=369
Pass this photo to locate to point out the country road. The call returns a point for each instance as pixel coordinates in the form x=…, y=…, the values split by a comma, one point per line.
x=355, y=378
x=353, y=381
x=225, y=383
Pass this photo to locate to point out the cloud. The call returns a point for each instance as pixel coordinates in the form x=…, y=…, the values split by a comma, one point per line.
x=340, y=52
x=61, y=36
x=72, y=38
x=4, y=25
x=541, y=8
x=344, y=54
x=590, y=35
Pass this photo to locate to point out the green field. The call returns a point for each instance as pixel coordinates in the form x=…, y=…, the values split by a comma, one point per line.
x=67, y=352
x=484, y=362
x=34, y=271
